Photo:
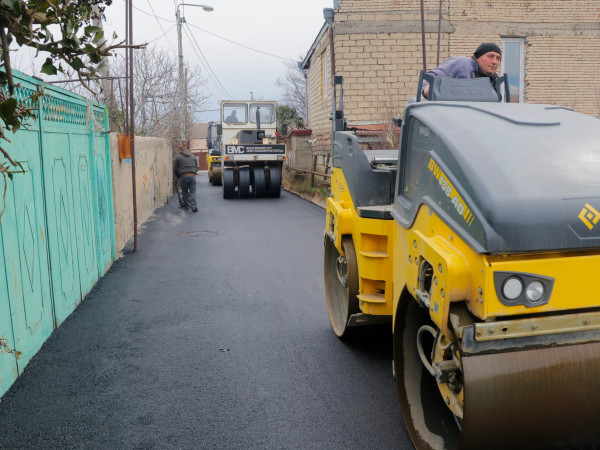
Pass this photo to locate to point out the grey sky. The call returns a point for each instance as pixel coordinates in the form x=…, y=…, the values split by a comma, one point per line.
x=227, y=36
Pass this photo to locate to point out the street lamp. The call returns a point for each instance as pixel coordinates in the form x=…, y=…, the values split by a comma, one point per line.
x=182, y=81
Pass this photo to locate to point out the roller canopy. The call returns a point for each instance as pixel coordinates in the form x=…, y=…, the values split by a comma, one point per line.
x=506, y=177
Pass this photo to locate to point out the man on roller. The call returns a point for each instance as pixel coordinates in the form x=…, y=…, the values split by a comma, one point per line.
x=484, y=63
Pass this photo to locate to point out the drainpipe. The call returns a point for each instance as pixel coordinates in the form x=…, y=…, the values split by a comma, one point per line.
x=328, y=14
x=305, y=73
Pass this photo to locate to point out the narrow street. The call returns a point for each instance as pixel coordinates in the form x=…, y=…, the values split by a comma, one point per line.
x=214, y=335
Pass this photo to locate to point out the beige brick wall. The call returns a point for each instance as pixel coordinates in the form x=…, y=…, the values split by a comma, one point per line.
x=378, y=51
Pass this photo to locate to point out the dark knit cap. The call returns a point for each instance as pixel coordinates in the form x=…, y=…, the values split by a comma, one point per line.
x=485, y=48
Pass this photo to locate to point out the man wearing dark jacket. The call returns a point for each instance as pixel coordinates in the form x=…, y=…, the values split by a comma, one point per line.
x=484, y=63
x=185, y=167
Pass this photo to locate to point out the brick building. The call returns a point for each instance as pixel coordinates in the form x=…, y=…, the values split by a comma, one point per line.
x=551, y=52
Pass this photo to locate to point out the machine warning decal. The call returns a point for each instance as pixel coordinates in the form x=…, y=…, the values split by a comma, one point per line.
x=451, y=192
x=589, y=216
x=255, y=149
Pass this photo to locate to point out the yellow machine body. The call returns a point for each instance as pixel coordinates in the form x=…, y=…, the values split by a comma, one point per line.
x=374, y=246
x=524, y=374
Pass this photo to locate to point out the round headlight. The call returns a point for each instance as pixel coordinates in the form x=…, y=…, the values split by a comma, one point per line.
x=535, y=291
x=512, y=288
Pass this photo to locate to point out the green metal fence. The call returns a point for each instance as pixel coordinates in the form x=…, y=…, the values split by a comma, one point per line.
x=57, y=233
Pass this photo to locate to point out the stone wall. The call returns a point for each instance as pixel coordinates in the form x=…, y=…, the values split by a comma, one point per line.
x=154, y=183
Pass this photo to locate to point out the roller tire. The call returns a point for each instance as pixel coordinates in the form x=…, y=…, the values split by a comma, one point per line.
x=244, y=182
x=274, y=185
x=259, y=185
x=228, y=184
x=341, y=299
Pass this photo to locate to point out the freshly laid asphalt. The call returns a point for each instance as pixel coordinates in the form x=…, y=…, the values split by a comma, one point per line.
x=213, y=335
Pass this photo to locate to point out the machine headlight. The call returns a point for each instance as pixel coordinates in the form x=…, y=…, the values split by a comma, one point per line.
x=535, y=291
x=512, y=288
x=527, y=289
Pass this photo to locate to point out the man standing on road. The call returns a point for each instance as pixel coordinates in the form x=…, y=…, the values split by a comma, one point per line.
x=185, y=168
x=484, y=63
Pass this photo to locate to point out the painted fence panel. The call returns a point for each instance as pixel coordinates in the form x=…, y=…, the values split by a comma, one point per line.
x=8, y=363
x=62, y=236
x=57, y=233
x=103, y=202
x=24, y=240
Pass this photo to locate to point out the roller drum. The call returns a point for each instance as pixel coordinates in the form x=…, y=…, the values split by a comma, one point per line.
x=542, y=398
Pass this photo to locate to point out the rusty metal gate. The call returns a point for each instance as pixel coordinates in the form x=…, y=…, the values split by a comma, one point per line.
x=57, y=233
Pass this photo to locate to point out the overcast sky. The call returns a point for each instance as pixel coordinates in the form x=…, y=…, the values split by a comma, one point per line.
x=246, y=43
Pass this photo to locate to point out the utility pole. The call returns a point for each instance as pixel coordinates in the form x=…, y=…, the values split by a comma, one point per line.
x=130, y=113
x=106, y=83
x=182, y=75
x=182, y=108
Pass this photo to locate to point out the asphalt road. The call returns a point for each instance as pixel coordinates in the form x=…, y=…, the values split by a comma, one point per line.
x=214, y=335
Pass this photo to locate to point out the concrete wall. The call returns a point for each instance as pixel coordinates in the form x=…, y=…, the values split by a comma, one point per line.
x=378, y=51
x=154, y=183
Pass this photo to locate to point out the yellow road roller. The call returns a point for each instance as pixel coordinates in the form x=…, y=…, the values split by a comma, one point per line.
x=479, y=242
x=213, y=156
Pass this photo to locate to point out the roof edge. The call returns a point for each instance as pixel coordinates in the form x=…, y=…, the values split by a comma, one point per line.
x=305, y=64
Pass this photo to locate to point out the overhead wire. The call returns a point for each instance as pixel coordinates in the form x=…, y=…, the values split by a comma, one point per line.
x=205, y=62
x=162, y=35
x=216, y=35
x=242, y=45
x=160, y=25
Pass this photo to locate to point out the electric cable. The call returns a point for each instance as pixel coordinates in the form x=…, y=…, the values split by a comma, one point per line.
x=160, y=25
x=242, y=45
x=206, y=64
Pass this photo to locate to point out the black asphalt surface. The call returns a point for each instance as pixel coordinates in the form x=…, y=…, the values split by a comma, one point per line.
x=213, y=336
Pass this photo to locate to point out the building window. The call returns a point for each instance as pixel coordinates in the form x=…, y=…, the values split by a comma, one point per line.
x=513, y=64
x=325, y=74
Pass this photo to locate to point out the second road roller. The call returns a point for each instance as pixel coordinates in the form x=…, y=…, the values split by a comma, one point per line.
x=478, y=241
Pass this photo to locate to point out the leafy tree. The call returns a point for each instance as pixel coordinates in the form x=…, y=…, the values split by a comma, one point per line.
x=62, y=30
x=288, y=115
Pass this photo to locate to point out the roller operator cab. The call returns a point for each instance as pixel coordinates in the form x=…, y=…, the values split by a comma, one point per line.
x=251, y=159
x=479, y=242
x=213, y=156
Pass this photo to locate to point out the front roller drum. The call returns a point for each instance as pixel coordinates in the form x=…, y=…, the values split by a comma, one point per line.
x=544, y=398
x=547, y=398
x=341, y=285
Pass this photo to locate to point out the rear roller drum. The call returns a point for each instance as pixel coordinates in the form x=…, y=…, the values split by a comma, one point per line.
x=259, y=187
x=341, y=285
x=216, y=176
x=274, y=181
x=228, y=184
x=244, y=186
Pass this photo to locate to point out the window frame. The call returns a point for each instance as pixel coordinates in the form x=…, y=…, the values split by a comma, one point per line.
x=234, y=105
x=252, y=117
x=325, y=74
x=521, y=42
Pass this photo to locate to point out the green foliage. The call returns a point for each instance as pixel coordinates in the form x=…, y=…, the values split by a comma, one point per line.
x=288, y=115
x=63, y=30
